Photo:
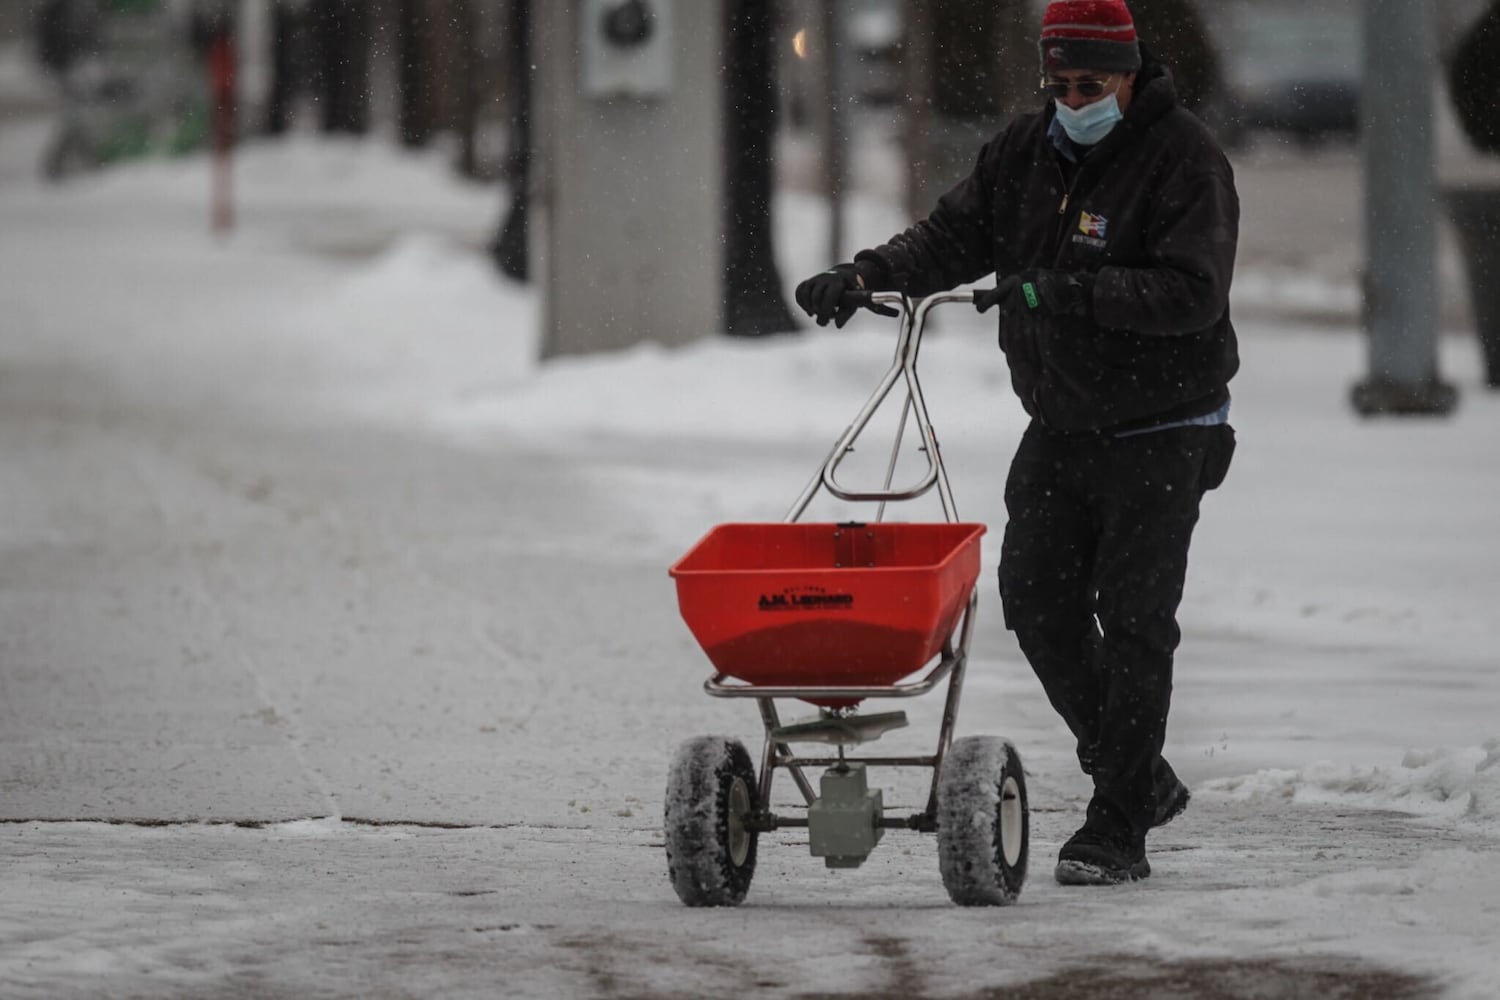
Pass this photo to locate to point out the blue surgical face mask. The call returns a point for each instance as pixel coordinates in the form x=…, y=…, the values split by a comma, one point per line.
x=1092, y=122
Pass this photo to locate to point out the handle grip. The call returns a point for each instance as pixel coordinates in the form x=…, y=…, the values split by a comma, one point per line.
x=861, y=298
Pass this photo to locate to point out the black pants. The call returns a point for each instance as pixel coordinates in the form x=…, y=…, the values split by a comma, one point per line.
x=1091, y=573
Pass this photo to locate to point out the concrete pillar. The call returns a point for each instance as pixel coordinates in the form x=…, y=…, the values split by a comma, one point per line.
x=628, y=204
x=1400, y=60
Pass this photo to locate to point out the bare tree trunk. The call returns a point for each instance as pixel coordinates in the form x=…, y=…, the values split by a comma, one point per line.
x=833, y=127
x=1473, y=73
x=1019, y=62
x=286, y=67
x=753, y=302
x=342, y=32
x=467, y=110
x=450, y=31
x=413, y=72
x=511, y=249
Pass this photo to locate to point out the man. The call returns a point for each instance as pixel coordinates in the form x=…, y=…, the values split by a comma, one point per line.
x=1110, y=219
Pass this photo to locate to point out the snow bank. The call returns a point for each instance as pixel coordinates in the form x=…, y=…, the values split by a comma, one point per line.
x=1458, y=785
x=425, y=319
x=773, y=389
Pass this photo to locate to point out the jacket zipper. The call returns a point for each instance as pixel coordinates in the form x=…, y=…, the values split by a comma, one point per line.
x=1067, y=188
x=1062, y=211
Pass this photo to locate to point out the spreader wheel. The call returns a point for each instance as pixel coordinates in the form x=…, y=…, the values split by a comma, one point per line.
x=983, y=822
x=711, y=789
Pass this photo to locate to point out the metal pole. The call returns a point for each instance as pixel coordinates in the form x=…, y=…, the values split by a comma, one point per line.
x=222, y=66
x=1400, y=51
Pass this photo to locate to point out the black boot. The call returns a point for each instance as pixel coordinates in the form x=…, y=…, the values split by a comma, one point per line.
x=1097, y=855
x=1171, y=794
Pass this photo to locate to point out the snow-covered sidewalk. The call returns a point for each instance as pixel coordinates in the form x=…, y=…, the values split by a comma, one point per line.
x=338, y=656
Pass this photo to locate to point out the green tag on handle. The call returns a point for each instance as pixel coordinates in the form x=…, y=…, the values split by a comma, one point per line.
x=1029, y=290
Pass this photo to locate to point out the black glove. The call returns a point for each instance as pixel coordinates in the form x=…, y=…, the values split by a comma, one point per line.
x=1039, y=298
x=822, y=295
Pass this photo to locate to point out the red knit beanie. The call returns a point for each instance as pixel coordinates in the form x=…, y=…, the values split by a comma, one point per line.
x=1089, y=34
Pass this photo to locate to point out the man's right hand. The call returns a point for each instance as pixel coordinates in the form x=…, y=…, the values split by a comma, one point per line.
x=822, y=295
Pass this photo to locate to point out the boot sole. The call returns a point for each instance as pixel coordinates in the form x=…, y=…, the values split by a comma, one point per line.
x=1085, y=873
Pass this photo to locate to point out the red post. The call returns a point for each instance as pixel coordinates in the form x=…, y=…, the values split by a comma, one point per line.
x=221, y=82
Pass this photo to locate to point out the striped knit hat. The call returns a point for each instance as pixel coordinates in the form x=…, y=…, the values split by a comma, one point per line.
x=1089, y=34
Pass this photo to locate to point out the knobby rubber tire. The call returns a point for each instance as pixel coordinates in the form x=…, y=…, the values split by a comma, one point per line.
x=710, y=788
x=983, y=822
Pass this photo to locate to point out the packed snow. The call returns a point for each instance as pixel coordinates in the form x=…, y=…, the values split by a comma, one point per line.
x=340, y=656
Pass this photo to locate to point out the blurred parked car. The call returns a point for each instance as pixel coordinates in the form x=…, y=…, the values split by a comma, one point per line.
x=129, y=78
x=1292, y=70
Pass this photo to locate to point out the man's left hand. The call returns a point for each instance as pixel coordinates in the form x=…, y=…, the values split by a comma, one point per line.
x=1036, y=297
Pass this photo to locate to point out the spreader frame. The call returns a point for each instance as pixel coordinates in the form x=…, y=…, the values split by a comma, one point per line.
x=953, y=661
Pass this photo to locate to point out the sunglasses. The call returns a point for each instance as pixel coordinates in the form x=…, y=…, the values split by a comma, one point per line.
x=1086, y=88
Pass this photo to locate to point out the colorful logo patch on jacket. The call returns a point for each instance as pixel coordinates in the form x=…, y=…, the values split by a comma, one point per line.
x=1092, y=225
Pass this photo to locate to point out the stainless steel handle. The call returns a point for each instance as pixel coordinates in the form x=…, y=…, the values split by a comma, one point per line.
x=913, y=321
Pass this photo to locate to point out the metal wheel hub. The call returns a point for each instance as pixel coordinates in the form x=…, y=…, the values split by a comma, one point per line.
x=739, y=808
x=1011, y=822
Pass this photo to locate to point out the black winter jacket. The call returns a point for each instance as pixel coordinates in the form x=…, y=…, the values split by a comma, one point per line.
x=1151, y=213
